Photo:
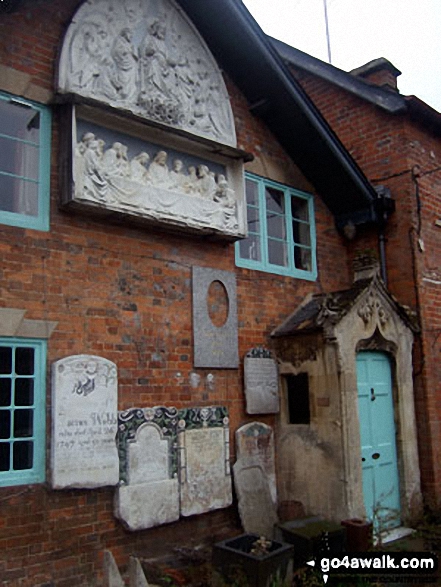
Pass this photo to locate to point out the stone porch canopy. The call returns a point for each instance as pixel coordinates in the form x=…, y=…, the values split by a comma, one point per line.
x=320, y=312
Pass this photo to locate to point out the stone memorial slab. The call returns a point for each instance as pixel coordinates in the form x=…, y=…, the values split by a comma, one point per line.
x=146, y=58
x=256, y=509
x=255, y=446
x=205, y=477
x=148, y=494
x=261, y=382
x=84, y=422
x=214, y=346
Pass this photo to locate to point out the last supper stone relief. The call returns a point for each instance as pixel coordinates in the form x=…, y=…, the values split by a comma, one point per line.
x=148, y=180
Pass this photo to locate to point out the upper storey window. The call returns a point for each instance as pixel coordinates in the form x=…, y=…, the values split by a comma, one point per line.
x=24, y=163
x=281, y=230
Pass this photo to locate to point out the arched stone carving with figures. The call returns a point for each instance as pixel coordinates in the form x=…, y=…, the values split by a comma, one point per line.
x=147, y=58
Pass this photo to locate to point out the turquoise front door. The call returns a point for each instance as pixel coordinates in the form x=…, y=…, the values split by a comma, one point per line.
x=381, y=489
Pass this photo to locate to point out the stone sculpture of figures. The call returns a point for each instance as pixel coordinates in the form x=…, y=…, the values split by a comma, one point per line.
x=154, y=61
x=109, y=174
x=177, y=178
x=138, y=170
x=125, y=71
x=95, y=184
x=115, y=160
x=224, y=194
x=206, y=182
x=158, y=170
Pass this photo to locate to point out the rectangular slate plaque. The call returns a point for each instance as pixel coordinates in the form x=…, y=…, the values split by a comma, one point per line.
x=214, y=346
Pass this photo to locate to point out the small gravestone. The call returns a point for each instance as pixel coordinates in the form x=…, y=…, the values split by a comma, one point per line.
x=84, y=422
x=148, y=494
x=256, y=508
x=255, y=446
x=205, y=459
x=261, y=382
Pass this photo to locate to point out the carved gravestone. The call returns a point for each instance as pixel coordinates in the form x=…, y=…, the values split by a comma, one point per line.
x=84, y=422
x=255, y=447
x=256, y=508
x=204, y=459
x=261, y=382
x=148, y=494
x=214, y=346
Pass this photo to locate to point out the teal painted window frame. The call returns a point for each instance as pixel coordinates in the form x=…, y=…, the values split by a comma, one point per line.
x=41, y=220
x=264, y=264
x=37, y=473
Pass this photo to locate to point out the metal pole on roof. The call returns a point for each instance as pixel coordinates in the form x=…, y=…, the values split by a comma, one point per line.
x=328, y=40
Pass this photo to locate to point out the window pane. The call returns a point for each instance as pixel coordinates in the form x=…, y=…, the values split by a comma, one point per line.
x=24, y=392
x=250, y=248
x=253, y=219
x=252, y=192
x=18, y=195
x=301, y=233
x=5, y=392
x=277, y=253
x=276, y=226
x=5, y=424
x=4, y=456
x=275, y=200
x=302, y=258
x=299, y=209
x=19, y=158
x=23, y=423
x=23, y=455
x=5, y=360
x=24, y=361
x=19, y=121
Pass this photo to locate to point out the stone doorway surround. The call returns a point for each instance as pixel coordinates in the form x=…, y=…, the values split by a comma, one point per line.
x=319, y=465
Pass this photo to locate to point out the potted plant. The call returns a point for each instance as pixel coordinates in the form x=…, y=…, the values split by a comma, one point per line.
x=250, y=560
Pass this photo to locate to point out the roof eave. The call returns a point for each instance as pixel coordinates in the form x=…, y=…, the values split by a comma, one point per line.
x=245, y=52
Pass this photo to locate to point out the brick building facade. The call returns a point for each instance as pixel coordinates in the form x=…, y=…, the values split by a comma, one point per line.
x=396, y=141
x=88, y=284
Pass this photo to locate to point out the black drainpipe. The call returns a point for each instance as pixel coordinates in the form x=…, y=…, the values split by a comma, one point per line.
x=384, y=205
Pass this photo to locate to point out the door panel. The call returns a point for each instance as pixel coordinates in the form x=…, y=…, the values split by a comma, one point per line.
x=377, y=434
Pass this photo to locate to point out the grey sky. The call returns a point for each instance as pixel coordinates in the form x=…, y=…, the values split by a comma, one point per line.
x=406, y=32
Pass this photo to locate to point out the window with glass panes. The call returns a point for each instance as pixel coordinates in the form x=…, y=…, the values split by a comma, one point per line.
x=281, y=230
x=24, y=163
x=22, y=411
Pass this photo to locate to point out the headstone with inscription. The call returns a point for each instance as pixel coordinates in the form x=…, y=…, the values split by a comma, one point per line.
x=261, y=382
x=255, y=446
x=148, y=494
x=256, y=508
x=84, y=422
x=205, y=477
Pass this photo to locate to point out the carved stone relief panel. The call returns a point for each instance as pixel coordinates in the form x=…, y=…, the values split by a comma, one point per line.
x=205, y=460
x=148, y=494
x=84, y=422
x=172, y=462
x=147, y=58
x=214, y=346
x=114, y=171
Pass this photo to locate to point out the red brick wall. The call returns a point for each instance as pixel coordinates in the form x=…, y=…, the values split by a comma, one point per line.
x=387, y=148
x=125, y=294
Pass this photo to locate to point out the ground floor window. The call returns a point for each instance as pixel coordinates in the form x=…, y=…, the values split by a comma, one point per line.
x=22, y=411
